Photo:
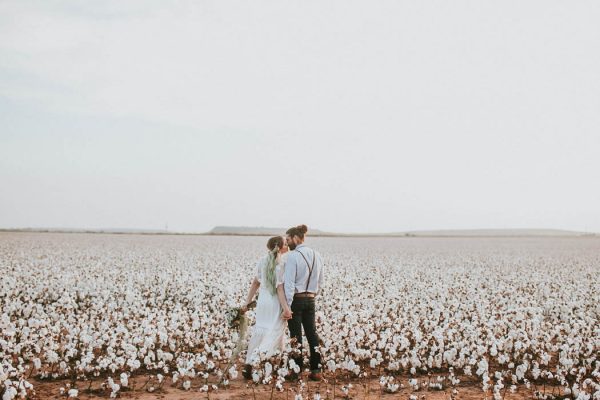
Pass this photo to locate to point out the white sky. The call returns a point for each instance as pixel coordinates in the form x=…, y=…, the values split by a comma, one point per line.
x=357, y=116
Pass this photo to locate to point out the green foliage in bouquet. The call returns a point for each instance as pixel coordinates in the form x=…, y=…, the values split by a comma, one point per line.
x=236, y=318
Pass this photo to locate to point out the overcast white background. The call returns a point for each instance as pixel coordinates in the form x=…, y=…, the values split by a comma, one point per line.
x=362, y=116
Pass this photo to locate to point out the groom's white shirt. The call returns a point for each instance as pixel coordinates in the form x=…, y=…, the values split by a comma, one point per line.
x=296, y=272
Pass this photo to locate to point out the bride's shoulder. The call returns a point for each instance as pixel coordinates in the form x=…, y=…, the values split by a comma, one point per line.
x=262, y=261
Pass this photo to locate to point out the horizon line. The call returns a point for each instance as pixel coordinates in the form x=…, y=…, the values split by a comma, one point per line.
x=227, y=230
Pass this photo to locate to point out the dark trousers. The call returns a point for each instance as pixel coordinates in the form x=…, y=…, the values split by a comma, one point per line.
x=303, y=309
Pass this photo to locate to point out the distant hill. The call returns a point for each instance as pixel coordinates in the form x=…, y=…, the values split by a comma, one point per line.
x=258, y=231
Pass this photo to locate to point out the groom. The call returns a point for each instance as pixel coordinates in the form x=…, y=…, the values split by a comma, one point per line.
x=303, y=278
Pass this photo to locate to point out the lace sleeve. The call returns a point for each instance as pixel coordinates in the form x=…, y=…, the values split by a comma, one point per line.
x=259, y=266
x=279, y=269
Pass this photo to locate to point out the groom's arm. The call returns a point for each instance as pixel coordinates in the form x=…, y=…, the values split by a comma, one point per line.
x=289, y=279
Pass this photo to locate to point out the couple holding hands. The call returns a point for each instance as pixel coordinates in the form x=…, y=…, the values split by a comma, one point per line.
x=287, y=280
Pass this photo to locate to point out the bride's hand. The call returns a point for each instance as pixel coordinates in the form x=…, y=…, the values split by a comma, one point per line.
x=287, y=314
x=244, y=308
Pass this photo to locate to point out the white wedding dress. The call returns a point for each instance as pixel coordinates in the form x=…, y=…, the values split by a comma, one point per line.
x=268, y=334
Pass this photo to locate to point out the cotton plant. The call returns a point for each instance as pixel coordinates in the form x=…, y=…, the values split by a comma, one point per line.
x=389, y=384
x=113, y=387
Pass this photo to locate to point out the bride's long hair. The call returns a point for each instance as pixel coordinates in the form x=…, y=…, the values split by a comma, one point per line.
x=274, y=245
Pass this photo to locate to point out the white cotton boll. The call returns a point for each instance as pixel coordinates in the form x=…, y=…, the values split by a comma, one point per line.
x=268, y=369
x=393, y=387
x=494, y=351
x=187, y=385
x=482, y=367
x=331, y=365
x=113, y=387
x=10, y=393
x=73, y=393
x=233, y=372
x=204, y=388
x=414, y=383
x=124, y=379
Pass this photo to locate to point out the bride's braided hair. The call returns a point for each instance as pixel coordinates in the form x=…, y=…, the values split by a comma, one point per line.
x=274, y=244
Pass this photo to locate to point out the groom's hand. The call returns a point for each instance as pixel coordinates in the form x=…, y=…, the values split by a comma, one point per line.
x=287, y=314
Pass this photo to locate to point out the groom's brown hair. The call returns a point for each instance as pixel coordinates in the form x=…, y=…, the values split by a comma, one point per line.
x=299, y=231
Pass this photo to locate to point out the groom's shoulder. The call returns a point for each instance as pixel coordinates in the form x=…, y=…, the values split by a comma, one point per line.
x=294, y=254
x=315, y=251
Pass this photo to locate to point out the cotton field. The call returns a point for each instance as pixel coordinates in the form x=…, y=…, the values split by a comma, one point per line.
x=113, y=315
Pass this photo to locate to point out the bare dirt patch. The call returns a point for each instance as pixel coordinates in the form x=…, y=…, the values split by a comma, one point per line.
x=241, y=389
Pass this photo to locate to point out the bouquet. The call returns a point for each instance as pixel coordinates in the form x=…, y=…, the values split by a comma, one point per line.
x=236, y=318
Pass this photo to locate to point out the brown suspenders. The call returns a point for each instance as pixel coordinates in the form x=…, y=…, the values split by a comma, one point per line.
x=310, y=269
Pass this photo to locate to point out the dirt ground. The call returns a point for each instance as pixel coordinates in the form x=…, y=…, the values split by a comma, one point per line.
x=241, y=389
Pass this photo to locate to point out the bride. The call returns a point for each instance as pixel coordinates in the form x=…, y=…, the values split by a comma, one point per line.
x=269, y=332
